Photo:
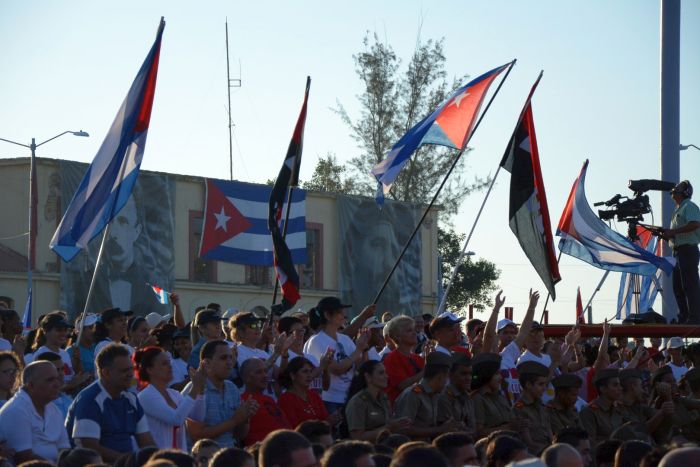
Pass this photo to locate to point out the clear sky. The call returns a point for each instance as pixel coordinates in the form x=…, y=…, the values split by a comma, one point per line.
x=69, y=64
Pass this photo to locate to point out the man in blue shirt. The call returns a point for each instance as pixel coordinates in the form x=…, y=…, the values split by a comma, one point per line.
x=683, y=237
x=106, y=417
x=225, y=417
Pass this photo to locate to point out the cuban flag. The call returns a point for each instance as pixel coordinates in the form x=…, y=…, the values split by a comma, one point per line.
x=588, y=238
x=449, y=125
x=235, y=228
x=162, y=294
x=109, y=180
x=27, y=316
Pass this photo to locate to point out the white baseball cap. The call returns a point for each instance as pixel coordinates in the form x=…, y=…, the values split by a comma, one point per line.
x=373, y=323
x=504, y=323
x=230, y=312
x=90, y=319
x=154, y=319
x=674, y=343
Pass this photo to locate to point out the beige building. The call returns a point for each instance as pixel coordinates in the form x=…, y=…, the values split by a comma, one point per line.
x=198, y=282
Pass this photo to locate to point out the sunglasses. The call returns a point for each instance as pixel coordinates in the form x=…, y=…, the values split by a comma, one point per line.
x=257, y=325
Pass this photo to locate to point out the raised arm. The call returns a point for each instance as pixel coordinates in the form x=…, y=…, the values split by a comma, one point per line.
x=489, y=336
x=527, y=320
x=603, y=359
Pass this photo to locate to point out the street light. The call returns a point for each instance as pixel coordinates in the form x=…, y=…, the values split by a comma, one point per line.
x=686, y=146
x=32, y=207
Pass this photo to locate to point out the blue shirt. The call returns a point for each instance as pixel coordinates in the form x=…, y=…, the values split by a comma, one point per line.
x=114, y=422
x=193, y=361
x=220, y=406
x=87, y=357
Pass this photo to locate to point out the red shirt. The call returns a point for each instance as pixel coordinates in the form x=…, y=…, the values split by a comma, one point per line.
x=297, y=410
x=268, y=418
x=400, y=367
x=459, y=348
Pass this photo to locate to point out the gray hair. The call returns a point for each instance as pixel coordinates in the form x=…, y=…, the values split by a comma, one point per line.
x=31, y=371
x=394, y=325
x=556, y=452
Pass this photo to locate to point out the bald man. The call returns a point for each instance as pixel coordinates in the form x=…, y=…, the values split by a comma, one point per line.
x=561, y=455
x=681, y=457
x=29, y=422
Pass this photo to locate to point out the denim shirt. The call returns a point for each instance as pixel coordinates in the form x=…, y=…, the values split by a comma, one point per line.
x=219, y=407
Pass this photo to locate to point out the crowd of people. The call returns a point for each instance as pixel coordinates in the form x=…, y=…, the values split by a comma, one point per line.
x=308, y=388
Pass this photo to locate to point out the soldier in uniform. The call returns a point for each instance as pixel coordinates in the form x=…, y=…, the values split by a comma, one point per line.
x=686, y=411
x=601, y=417
x=455, y=401
x=491, y=408
x=534, y=417
x=562, y=409
x=419, y=402
x=634, y=406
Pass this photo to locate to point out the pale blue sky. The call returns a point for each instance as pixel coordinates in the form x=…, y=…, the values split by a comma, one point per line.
x=68, y=65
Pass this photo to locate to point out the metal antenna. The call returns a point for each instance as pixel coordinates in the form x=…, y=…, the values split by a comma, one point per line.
x=236, y=83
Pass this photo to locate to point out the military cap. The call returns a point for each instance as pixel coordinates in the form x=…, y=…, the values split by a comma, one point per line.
x=692, y=376
x=533, y=368
x=438, y=358
x=628, y=373
x=658, y=374
x=485, y=359
x=461, y=358
x=566, y=381
x=606, y=374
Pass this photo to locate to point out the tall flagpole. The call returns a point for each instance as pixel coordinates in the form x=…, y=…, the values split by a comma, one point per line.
x=442, y=184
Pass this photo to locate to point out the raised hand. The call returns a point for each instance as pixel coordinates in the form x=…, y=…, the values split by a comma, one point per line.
x=499, y=301
x=606, y=328
x=572, y=336
x=174, y=299
x=362, y=341
x=327, y=358
x=534, y=298
x=19, y=345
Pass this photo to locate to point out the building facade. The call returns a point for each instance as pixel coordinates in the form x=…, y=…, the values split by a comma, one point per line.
x=173, y=244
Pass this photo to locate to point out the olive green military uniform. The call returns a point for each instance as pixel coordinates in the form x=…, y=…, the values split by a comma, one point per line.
x=491, y=410
x=539, y=431
x=561, y=417
x=600, y=419
x=457, y=405
x=686, y=417
x=418, y=403
x=364, y=412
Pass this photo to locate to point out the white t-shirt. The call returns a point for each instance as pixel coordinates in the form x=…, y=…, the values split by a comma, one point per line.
x=678, y=371
x=245, y=353
x=5, y=344
x=509, y=356
x=317, y=382
x=545, y=360
x=317, y=346
x=372, y=354
x=442, y=349
x=68, y=372
x=22, y=428
x=384, y=352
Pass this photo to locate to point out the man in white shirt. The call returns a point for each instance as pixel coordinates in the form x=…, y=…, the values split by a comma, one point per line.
x=446, y=330
x=376, y=338
x=674, y=347
x=29, y=422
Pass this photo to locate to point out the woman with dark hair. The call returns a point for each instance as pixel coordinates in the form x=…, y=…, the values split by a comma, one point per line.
x=165, y=408
x=9, y=375
x=11, y=328
x=78, y=457
x=491, y=408
x=299, y=402
x=503, y=450
x=329, y=314
x=293, y=326
x=138, y=333
x=367, y=411
x=112, y=328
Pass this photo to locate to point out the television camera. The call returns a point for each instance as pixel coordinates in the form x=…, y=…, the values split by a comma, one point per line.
x=632, y=210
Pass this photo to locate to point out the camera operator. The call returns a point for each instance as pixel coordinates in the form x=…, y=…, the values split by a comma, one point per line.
x=683, y=237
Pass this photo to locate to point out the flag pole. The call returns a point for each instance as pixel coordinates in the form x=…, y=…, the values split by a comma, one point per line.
x=98, y=262
x=442, y=184
x=546, y=302
x=466, y=242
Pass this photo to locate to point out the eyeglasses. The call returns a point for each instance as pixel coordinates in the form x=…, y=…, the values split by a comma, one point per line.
x=256, y=325
x=10, y=371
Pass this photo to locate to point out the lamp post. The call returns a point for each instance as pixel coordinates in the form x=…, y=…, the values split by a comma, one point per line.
x=31, y=243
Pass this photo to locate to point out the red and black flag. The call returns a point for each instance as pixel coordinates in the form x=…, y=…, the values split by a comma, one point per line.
x=288, y=177
x=579, y=308
x=529, y=215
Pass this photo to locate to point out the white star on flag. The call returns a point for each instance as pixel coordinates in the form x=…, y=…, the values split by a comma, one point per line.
x=221, y=219
x=458, y=99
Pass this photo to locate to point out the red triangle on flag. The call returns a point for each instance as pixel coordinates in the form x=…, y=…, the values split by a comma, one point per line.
x=222, y=220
